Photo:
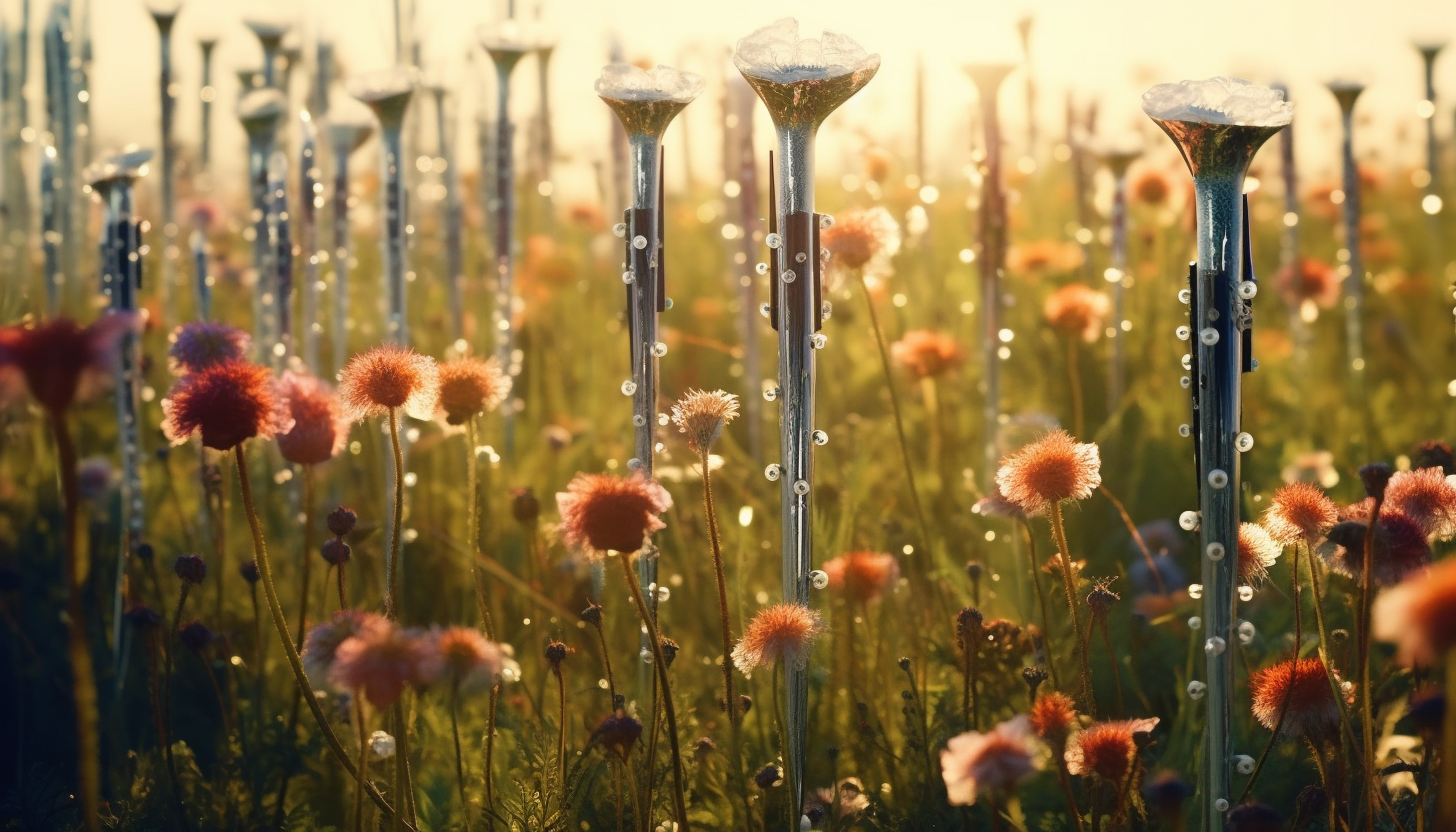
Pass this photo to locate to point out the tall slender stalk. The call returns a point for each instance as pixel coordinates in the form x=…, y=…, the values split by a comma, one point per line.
x=363, y=773
x=1069, y=585
x=668, y=708
x=1046, y=627
x=472, y=481
x=83, y=675
x=303, y=590
x=730, y=702
x=459, y=758
x=1362, y=659
x=280, y=623
x=391, y=590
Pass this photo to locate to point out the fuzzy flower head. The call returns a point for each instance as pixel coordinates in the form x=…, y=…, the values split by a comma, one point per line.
x=1309, y=284
x=227, y=403
x=1426, y=496
x=1054, y=717
x=1078, y=311
x=1107, y=749
x=379, y=660
x=469, y=386
x=1313, y=711
x=323, y=639
x=1257, y=552
x=865, y=239
x=199, y=344
x=862, y=576
x=603, y=513
x=1401, y=548
x=1054, y=468
x=702, y=415
x=1300, y=511
x=58, y=361
x=927, y=353
x=618, y=733
x=1418, y=615
x=389, y=377
x=995, y=761
x=319, y=431
x=783, y=631
x=462, y=659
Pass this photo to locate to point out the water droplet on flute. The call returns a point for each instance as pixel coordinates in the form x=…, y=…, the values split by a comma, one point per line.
x=801, y=487
x=800, y=257
x=1184, y=296
x=1246, y=593
x=818, y=340
x=1185, y=382
x=820, y=437
x=773, y=472
x=663, y=594
x=639, y=420
x=639, y=242
x=765, y=309
x=1187, y=361
x=789, y=276
x=825, y=310
x=1185, y=431
x=1244, y=763
x=628, y=277
x=1244, y=442
x=1195, y=591
x=663, y=419
x=1188, y=520
x=761, y=268
x=1196, y=690
x=773, y=240
x=1246, y=633
x=770, y=393
x=826, y=221
x=1215, y=646
x=819, y=579
x=1208, y=336
x=629, y=387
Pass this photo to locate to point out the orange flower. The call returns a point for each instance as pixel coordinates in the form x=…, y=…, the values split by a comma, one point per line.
x=1078, y=310
x=1054, y=717
x=602, y=513
x=389, y=377
x=59, y=361
x=227, y=403
x=469, y=386
x=1257, y=552
x=783, y=631
x=863, y=240
x=379, y=659
x=1107, y=749
x=1312, y=710
x=1042, y=256
x=1425, y=496
x=927, y=353
x=319, y=431
x=995, y=761
x=862, y=576
x=1309, y=280
x=1053, y=468
x=1300, y=511
x=462, y=658
x=1418, y=615
x=1151, y=187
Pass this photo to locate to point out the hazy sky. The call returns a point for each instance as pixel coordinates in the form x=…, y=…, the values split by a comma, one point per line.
x=1107, y=50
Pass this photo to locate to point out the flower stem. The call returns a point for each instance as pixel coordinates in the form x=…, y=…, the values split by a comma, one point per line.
x=1046, y=627
x=391, y=590
x=560, y=725
x=83, y=675
x=1074, y=380
x=730, y=702
x=293, y=713
x=1070, y=585
x=899, y=422
x=473, y=549
x=1288, y=692
x=1446, y=799
x=1362, y=645
x=490, y=757
x=363, y=774
x=280, y=623
x=668, y=708
x=459, y=757
x=1137, y=538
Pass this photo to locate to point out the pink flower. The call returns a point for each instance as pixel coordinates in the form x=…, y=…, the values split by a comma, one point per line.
x=994, y=761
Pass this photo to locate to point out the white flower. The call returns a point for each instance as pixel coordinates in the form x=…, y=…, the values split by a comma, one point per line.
x=1231, y=101
x=626, y=82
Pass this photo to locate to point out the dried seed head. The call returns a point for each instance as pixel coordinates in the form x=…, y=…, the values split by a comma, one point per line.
x=701, y=415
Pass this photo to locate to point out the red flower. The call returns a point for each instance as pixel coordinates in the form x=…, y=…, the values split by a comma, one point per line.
x=927, y=353
x=1419, y=615
x=1053, y=717
x=59, y=361
x=1313, y=710
x=1107, y=749
x=862, y=576
x=228, y=403
x=1049, y=470
x=603, y=513
x=1299, y=511
x=389, y=377
x=319, y=430
x=380, y=659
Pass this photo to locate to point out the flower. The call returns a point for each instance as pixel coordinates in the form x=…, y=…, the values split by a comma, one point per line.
x=618, y=733
x=469, y=386
x=628, y=82
x=864, y=239
x=783, y=631
x=1309, y=281
x=1257, y=552
x=341, y=521
x=927, y=353
x=200, y=344
x=228, y=403
x=192, y=569
x=702, y=415
x=1426, y=496
x=379, y=659
x=862, y=576
x=993, y=761
x=388, y=377
x=996, y=505
x=1151, y=187
x=1401, y=548
x=1078, y=310
x=59, y=361
x=462, y=658
x=1299, y=511
x=852, y=800
x=1312, y=711
x=603, y=513
x=1434, y=453
x=323, y=639
x=1418, y=615
x=1315, y=466
x=319, y=431
x=1107, y=749
x=1053, y=468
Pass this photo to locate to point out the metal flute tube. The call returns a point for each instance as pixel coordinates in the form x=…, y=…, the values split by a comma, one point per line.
x=1346, y=94
x=395, y=251
x=454, y=238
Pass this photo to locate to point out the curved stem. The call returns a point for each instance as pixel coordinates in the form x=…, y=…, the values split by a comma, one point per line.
x=899, y=422
x=1362, y=645
x=560, y=726
x=83, y=675
x=607, y=663
x=679, y=803
x=1137, y=537
x=1070, y=585
x=1046, y=627
x=730, y=702
x=363, y=773
x=391, y=591
x=303, y=589
x=459, y=757
x=490, y=756
x=275, y=609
